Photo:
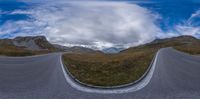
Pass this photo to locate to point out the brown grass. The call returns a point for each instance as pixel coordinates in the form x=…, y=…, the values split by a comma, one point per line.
x=115, y=69
x=108, y=70
x=14, y=51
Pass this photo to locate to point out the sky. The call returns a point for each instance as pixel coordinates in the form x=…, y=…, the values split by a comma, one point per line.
x=100, y=24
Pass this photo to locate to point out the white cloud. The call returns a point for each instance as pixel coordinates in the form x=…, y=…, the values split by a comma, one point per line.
x=191, y=26
x=188, y=30
x=96, y=24
x=163, y=35
x=21, y=28
x=193, y=16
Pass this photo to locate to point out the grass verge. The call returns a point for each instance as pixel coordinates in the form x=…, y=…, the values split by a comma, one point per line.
x=109, y=69
x=14, y=51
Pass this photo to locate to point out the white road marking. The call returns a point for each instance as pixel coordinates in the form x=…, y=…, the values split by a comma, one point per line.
x=132, y=88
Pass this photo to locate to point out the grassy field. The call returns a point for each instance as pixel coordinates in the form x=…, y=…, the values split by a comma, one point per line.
x=14, y=51
x=129, y=65
x=108, y=70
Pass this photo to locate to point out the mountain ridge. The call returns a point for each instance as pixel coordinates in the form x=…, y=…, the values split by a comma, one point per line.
x=183, y=43
x=40, y=43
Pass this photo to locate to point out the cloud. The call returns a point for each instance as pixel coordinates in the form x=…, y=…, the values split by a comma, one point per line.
x=21, y=28
x=95, y=24
x=188, y=30
x=194, y=15
x=168, y=34
x=191, y=26
x=92, y=24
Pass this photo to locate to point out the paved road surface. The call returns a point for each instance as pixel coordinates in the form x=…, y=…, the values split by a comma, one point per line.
x=176, y=76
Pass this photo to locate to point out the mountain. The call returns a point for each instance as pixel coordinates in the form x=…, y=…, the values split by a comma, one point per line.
x=30, y=45
x=185, y=43
x=82, y=50
x=75, y=49
x=34, y=43
x=112, y=50
x=180, y=39
x=23, y=46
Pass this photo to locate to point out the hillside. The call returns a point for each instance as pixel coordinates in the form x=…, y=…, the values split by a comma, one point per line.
x=32, y=45
x=25, y=46
x=125, y=67
x=187, y=44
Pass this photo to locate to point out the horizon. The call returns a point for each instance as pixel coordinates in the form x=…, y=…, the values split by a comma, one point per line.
x=117, y=48
x=72, y=23
x=99, y=49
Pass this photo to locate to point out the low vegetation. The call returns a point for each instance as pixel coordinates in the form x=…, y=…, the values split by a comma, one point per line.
x=8, y=48
x=107, y=69
x=101, y=69
x=14, y=51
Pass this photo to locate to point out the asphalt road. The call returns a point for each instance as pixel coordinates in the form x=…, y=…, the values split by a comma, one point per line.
x=176, y=76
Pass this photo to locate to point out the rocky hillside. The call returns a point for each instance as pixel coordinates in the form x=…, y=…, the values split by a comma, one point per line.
x=29, y=45
x=34, y=43
x=23, y=46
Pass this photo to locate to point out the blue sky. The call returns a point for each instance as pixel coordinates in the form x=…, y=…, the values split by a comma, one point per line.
x=100, y=24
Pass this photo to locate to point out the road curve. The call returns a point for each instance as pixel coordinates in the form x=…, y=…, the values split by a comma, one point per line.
x=176, y=75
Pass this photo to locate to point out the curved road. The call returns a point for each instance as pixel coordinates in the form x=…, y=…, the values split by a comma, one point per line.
x=175, y=76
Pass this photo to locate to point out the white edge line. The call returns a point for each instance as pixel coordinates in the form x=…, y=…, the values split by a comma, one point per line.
x=132, y=88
